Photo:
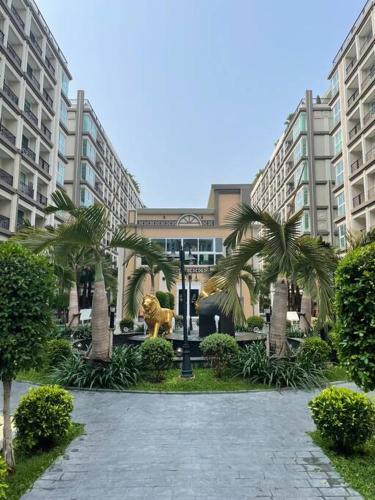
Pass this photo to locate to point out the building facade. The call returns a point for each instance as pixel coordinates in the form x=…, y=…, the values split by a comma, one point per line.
x=298, y=174
x=34, y=81
x=198, y=230
x=352, y=98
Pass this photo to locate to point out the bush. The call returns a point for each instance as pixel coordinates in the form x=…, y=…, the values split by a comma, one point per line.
x=43, y=417
x=171, y=300
x=126, y=323
x=57, y=350
x=355, y=311
x=3, y=473
x=121, y=372
x=254, y=364
x=220, y=349
x=345, y=418
x=255, y=322
x=157, y=356
x=314, y=349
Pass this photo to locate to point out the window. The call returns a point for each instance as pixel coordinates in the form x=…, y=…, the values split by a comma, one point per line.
x=305, y=222
x=89, y=126
x=336, y=113
x=219, y=245
x=61, y=143
x=299, y=126
x=60, y=175
x=206, y=245
x=88, y=150
x=87, y=199
x=190, y=245
x=87, y=174
x=63, y=113
x=206, y=259
x=335, y=83
x=302, y=197
x=160, y=242
x=342, y=237
x=173, y=245
x=64, y=84
x=300, y=150
x=337, y=143
x=340, y=202
x=339, y=173
x=301, y=173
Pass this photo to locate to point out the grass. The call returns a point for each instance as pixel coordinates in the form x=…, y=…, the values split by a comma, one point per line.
x=30, y=467
x=336, y=373
x=357, y=469
x=34, y=376
x=204, y=380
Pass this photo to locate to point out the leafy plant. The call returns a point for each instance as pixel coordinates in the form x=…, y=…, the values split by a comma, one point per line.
x=126, y=323
x=315, y=350
x=157, y=356
x=3, y=474
x=57, y=350
x=220, y=349
x=255, y=322
x=179, y=321
x=43, y=417
x=344, y=417
x=121, y=372
x=355, y=310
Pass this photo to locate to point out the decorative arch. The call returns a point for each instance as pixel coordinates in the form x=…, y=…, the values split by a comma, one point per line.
x=189, y=220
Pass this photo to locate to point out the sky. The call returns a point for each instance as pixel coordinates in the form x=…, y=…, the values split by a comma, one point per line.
x=196, y=92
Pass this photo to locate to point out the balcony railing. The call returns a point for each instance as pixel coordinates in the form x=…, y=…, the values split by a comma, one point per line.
x=365, y=42
x=28, y=152
x=100, y=146
x=41, y=199
x=14, y=54
x=5, y=177
x=354, y=131
x=353, y=97
x=35, y=43
x=369, y=77
x=370, y=155
x=46, y=131
x=31, y=115
x=47, y=98
x=50, y=66
x=356, y=165
x=7, y=134
x=370, y=115
x=4, y=222
x=19, y=19
x=9, y=92
x=33, y=79
x=350, y=65
x=44, y=165
x=99, y=189
x=2, y=36
x=358, y=199
x=26, y=189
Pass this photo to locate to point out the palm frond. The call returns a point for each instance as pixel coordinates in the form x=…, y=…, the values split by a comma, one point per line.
x=62, y=203
x=240, y=219
x=134, y=291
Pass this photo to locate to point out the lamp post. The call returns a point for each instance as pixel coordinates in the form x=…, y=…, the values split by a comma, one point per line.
x=190, y=320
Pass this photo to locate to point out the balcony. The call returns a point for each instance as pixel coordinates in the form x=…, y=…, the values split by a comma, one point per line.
x=44, y=165
x=370, y=155
x=371, y=193
x=9, y=92
x=41, y=199
x=31, y=115
x=26, y=189
x=47, y=98
x=5, y=177
x=1, y=36
x=350, y=65
x=358, y=199
x=99, y=189
x=14, y=55
x=356, y=165
x=4, y=222
x=28, y=152
x=35, y=43
x=33, y=79
x=353, y=97
x=369, y=77
x=50, y=67
x=354, y=131
x=46, y=131
x=18, y=17
x=370, y=115
x=7, y=134
x=365, y=43
x=100, y=146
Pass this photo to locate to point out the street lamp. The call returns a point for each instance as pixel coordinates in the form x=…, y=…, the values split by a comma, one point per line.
x=190, y=320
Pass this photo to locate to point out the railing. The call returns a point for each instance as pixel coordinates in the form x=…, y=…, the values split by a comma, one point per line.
x=35, y=43
x=14, y=54
x=26, y=189
x=100, y=146
x=4, y=222
x=7, y=134
x=18, y=17
x=33, y=79
x=358, y=200
x=28, y=152
x=353, y=97
x=369, y=116
x=350, y=65
x=5, y=177
x=370, y=154
x=44, y=165
x=9, y=92
x=369, y=77
x=2, y=36
x=31, y=115
x=46, y=131
x=371, y=193
x=365, y=43
x=354, y=131
x=289, y=166
x=169, y=222
x=98, y=189
x=356, y=165
x=41, y=199
x=47, y=98
x=50, y=66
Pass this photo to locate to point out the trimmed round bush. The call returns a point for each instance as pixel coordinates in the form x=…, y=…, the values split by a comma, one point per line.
x=220, y=349
x=43, y=417
x=57, y=350
x=157, y=356
x=255, y=322
x=314, y=349
x=355, y=312
x=3, y=473
x=126, y=323
x=344, y=417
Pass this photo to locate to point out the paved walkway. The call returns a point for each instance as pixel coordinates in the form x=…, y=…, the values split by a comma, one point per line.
x=217, y=446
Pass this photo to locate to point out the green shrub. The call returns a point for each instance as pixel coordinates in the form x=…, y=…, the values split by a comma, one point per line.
x=171, y=300
x=220, y=349
x=157, y=356
x=253, y=364
x=355, y=312
x=3, y=473
x=43, y=417
x=83, y=332
x=179, y=321
x=314, y=349
x=126, y=323
x=121, y=372
x=255, y=322
x=57, y=350
x=345, y=418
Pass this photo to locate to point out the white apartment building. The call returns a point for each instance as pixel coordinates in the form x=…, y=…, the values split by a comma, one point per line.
x=352, y=97
x=298, y=174
x=94, y=172
x=34, y=81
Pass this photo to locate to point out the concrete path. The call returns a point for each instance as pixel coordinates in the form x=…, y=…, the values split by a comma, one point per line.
x=217, y=446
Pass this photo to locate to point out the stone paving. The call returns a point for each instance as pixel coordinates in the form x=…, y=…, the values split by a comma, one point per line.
x=173, y=446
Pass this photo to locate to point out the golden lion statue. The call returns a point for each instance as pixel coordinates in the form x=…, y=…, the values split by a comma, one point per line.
x=156, y=316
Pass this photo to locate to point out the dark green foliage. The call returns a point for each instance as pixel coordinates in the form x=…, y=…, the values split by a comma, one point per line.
x=171, y=300
x=26, y=284
x=57, y=350
x=157, y=356
x=121, y=372
x=314, y=349
x=254, y=322
x=82, y=337
x=355, y=311
x=3, y=473
x=220, y=349
x=126, y=323
x=164, y=299
x=43, y=417
x=254, y=364
x=346, y=418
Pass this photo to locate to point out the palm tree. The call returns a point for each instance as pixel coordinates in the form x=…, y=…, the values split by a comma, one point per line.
x=151, y=268
x=86, y=229
x=288, y=257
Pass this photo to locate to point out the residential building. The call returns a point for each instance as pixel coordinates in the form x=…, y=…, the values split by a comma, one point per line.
x=298, y=174
x=352, y=97
x=198, y=230
x=94, y=172
x=34, y=81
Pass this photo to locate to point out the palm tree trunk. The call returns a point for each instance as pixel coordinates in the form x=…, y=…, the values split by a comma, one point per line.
x=101, y=340
x=152, y=276
x=73, y=316
x=305, y=321
x=7, y=429
x=278, y=341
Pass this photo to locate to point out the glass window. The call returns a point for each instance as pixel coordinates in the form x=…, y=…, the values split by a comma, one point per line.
x=89, y=126
x=206, y=245
x=340, y=202
x=160, y=242
x=190, y=244
x=87, y=174
x=87, y=199
x=302, y=197
x=301, y=173
x=63, y=112
x=88, y=150
x=206, y=259
x=61, y=143
x=342, y=236
x=219, y=245
x=305, y=221
x=60, y=175
x=173, y=245
x=64, y=84
x=334, y=83
x=339, y=173
x=300, y=150
x=299, y=126
x=336, y=113
x=337, y=143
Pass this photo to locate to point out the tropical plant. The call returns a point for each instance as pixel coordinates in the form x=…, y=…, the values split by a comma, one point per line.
x=220, y=349
x=344, y=417
x=255, y=322
x=3, y=474
x=57, y=350
x=287, y=256
x=126, y=323
x=25, y=321
x=314, y=350
x=157, y=357
x=86, y=229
